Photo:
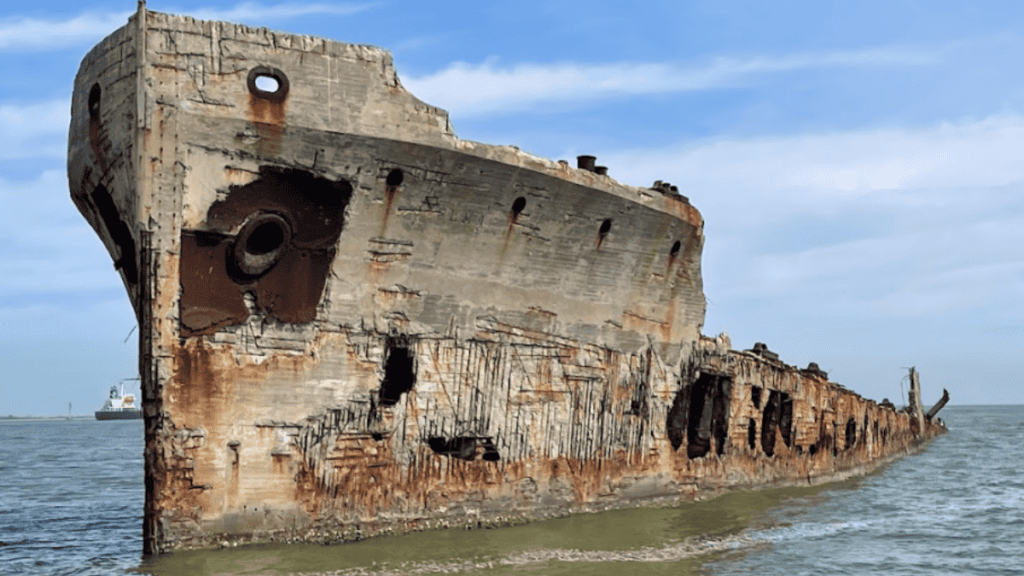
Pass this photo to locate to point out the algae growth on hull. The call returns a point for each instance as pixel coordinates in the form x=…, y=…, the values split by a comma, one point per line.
x=673, y=540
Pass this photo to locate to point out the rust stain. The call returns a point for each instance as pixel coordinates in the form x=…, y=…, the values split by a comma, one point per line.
x=513, y=217
x=390, y=192
x=268, y=117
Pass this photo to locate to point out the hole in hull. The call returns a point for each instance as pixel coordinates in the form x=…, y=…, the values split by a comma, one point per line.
x=395, y=177
x=518, y=205
x=267, y=83
x=94, y=102
x=851, y=433
x=399, y=370
x=119, y=233
x=461, y=447
x=708, y=415
x=777, y=416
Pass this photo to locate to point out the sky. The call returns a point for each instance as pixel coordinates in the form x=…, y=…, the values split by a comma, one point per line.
x=858, y=166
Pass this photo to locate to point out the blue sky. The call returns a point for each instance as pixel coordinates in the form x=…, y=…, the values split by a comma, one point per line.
x=858, y=165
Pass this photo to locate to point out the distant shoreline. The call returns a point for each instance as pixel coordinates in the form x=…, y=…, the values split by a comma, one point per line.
x=72, y=417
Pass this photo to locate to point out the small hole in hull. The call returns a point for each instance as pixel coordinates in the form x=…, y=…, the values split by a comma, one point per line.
x=675, y=249
x=399, y=369
x=94, y=102
x=268, y=83
x=518, y=205
x=395, y=177
x=606, y=226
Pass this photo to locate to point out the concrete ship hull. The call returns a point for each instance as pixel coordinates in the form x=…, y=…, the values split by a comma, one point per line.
x=352, y=322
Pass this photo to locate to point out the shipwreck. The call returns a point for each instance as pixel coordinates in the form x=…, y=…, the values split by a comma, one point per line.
x=352, y=322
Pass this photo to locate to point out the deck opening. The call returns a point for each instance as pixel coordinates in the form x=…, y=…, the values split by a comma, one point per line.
x=399, y=369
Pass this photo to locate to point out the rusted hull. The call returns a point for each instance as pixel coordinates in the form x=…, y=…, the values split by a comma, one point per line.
x=353, y=322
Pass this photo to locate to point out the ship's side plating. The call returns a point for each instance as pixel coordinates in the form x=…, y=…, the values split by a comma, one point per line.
x=353, y=322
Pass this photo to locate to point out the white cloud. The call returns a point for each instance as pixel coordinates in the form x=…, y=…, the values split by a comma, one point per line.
x=46, y=247
x=488, y=88
x=29, y=34
x=250, y=11
x=821, y=169
x=45, y=34
x=37, y=130
x=886, y=223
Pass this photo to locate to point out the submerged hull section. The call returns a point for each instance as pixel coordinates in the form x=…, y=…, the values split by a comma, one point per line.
x=353, y=322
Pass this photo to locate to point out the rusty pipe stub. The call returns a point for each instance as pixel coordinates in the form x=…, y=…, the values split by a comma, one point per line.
x=260, y=243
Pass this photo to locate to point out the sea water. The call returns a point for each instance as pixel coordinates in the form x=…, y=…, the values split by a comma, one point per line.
x=71, y=496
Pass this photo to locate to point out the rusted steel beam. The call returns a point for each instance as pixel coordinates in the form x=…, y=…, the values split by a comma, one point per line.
x=938, y=405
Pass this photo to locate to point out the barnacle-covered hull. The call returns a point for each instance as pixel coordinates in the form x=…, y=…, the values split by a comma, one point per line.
x=352, y=322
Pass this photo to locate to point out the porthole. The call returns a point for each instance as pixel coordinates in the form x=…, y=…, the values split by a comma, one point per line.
x=268, y=83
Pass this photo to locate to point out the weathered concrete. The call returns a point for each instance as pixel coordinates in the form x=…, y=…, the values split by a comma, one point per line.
x=353, y=322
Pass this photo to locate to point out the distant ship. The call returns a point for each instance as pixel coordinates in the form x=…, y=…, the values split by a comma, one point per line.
x=119, y=406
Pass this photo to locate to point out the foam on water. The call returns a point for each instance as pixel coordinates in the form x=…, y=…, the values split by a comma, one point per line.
x=956, y=508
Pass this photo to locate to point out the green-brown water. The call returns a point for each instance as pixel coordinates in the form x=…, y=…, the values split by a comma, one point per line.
x=666, y=540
